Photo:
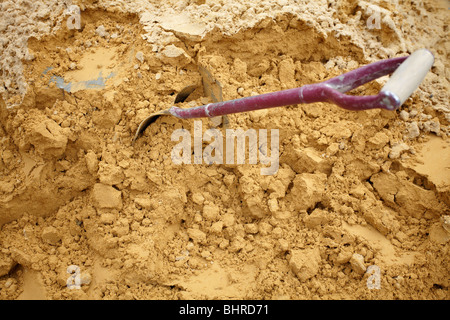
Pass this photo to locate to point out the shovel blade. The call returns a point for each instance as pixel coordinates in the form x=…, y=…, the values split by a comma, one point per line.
x=147, y=121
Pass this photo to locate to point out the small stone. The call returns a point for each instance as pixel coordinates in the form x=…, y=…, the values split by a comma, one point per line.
x=205, y=254
x=145, y=203
x=308, y=189
x=198, y=198
x=174, y=56
x=211, y=212
x=224, y=244
x=333, y=149
x=273, y=205
x=357, y=263
x=316, y=218
x=111, y=175
x=307, y=160
x=51, y=235
x=101, y=31
x=237, y=244
x=228, y=220
x=140, y=56
x=343, y=257
x=217, y=227
x=91, y=162
x=48, y=138
x=284, y=244
x=413, y=130
x=196, y=235
x=432, y=126
x=379, y=140
x=404, y=115
x=104, y=196
x=305, y=263
x=251, y=228
x=397, y=149
x=173, y=51
x=107, y=218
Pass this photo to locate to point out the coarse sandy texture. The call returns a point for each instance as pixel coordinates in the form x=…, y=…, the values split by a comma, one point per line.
x=355, y=191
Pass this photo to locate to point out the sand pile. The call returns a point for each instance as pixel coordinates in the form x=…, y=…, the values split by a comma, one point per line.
x=358, y=209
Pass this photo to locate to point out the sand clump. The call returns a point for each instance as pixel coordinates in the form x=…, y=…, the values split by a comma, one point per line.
x=354, y=190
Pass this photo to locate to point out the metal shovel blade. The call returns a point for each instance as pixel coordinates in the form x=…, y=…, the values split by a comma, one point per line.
x=211, y=88
x=181, y=96
x=185, y=93
x=148, y=121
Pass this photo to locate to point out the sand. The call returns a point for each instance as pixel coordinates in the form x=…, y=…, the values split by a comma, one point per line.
x=358, y=208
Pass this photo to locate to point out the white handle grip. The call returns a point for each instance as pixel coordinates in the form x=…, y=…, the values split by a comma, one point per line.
x=408, y=76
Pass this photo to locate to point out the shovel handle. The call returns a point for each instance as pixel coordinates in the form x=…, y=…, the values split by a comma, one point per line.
x=408, y=73
x=408, y=76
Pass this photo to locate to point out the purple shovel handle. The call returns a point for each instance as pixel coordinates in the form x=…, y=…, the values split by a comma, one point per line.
x=331, y=90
